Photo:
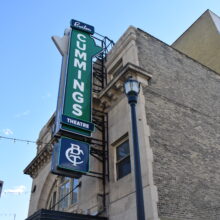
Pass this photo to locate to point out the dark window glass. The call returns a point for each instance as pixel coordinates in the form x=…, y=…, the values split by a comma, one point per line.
x=123, y=160
x=123, y=150
x=124, y=167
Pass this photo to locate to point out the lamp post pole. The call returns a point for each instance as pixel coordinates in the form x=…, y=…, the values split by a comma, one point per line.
x=132, y=100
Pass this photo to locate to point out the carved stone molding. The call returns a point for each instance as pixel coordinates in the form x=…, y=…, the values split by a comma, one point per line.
x=39, y=161
x=114, y=90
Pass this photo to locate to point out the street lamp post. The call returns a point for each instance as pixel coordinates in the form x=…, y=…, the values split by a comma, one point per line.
x=132, y=89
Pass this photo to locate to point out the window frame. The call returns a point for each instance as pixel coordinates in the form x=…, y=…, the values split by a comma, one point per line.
x=63, y=182
x=117, y=162
x=73, y=185
x=70, y=203
x=55, y=196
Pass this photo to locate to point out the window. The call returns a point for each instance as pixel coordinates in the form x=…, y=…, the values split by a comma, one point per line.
x=74, y=194
x=68, y=192
x=123, y=164
x=64, y=189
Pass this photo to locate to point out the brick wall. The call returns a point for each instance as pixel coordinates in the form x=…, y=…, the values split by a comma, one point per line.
x=183, y=112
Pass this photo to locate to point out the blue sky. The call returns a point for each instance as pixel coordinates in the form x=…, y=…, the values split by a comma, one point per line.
x=30, y=67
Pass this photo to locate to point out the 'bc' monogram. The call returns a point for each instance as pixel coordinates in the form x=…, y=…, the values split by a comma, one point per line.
x=73, y=154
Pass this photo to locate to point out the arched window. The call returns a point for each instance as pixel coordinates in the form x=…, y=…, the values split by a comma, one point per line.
x=64, y=194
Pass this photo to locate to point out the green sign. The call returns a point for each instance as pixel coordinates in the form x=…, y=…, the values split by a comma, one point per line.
x=77, y=109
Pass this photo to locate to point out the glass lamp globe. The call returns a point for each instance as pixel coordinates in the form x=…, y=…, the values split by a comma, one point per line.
x=131, y=87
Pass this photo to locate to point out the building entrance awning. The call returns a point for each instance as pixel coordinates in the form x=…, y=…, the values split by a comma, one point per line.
x=44, y=214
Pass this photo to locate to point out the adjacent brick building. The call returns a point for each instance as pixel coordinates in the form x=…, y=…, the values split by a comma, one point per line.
x=179, y=133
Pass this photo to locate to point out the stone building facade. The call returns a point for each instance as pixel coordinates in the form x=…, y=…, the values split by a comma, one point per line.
x=178, y=121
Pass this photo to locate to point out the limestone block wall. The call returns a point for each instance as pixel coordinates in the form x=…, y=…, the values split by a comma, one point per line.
x=182, y=105
x=122, y=197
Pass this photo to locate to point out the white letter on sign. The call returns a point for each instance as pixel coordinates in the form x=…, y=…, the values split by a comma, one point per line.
x=81, y=65
x=76, y=85
x=80, y=55
x=77, y=97
x=77, y=110
x=81, y=37
x=83, y=47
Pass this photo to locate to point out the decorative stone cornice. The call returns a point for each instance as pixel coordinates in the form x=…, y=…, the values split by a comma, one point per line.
x=39, y=161
x=115, y=89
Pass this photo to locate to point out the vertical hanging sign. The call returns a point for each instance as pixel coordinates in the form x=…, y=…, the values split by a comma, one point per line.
x=77, y=104
x=74, y=105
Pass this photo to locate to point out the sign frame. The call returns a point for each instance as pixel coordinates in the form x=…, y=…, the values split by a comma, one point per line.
x=58, y=168
x=80, y=127
x=82, y=26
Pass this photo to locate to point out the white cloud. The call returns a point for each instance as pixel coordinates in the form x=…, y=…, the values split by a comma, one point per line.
x=7, y=131
x=46, y=96
x=16, y=190
x=22, y=114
